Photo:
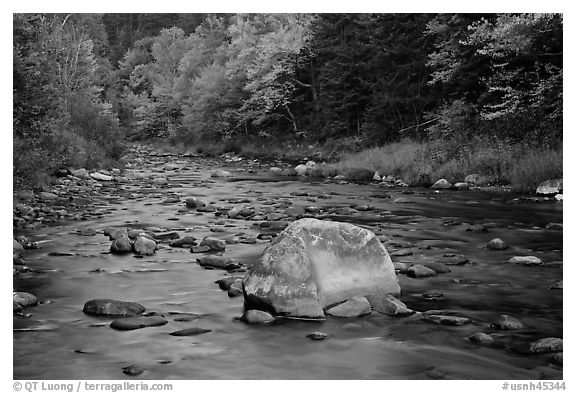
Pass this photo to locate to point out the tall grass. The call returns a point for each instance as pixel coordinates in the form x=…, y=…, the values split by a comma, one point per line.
x=533, y=167
x=521, y=167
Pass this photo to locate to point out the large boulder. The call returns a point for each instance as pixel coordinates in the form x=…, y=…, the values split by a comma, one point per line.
x=315, y=264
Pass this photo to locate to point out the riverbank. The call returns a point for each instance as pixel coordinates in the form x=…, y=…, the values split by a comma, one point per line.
x=518, y=167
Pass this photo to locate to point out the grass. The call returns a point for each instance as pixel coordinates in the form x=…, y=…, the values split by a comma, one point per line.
x=416, y=163
x=419, y=164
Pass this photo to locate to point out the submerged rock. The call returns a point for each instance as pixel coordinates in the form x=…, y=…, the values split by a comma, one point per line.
x=446, y=320
x=315, y=264
x=194, y=331
x=113, y=308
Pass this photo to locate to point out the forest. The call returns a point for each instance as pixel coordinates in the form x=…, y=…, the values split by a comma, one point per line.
x=439, y=94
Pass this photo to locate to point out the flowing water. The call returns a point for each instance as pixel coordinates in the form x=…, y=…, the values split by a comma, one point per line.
x=58, y=341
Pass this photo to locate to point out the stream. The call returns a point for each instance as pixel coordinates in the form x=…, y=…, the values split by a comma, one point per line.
x=56, y=340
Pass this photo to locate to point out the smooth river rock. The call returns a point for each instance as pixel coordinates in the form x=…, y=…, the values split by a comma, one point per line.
x=133, y=323
x=355, y=307
x=496, y=244
x=315, y=264
x=121, y=245
x=506, y=322
x=144, y=246
x=113, y=308
x=25, y=299
x=526, y=261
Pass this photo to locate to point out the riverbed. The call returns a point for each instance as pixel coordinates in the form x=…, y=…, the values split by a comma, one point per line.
x=56, y=340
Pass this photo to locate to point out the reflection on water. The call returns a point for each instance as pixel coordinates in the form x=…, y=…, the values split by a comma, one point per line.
x=58, y=341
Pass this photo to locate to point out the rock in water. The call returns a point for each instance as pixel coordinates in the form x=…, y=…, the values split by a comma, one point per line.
x=506, y=322
x=113, y=308
x=121, y=245
x=257, y=317
x=389, y=305
x=482, y=339
x=545, y=345
x=215, y=261
x=355, y=307
x=527, y=261
x=194, y=331
x=144, y=246
x=133, y=323
x=550, y=187
x=25, y=299
x=133, y=370
x=496, y=244
x=213, y=243
x=315, y=264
